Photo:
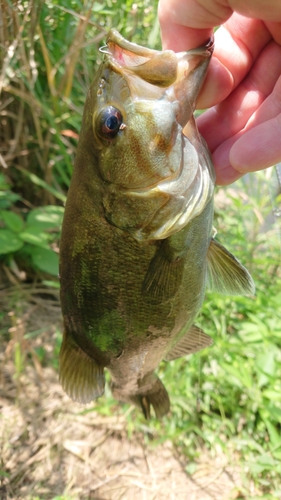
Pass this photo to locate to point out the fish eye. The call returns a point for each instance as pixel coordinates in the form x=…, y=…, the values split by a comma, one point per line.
x=110, y=120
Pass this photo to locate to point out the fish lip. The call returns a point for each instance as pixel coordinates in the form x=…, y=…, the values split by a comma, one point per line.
x=120, y=53
x=203, y=50
x=114, y=38
x=116, y=44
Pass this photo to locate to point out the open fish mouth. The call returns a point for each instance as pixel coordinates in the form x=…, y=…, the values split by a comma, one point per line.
x=159, y=68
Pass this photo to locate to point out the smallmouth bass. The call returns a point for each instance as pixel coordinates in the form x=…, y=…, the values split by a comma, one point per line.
x=137, y=248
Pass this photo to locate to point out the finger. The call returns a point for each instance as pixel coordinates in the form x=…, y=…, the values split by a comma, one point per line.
x=225, y=120
x=197, y=17
x=269, y=10
x=238, y=44
x=227, y=175
x=258, y=148
x=188, y=24
x=275, y=29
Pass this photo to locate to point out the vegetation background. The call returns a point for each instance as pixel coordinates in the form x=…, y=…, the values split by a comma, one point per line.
x=226, y=401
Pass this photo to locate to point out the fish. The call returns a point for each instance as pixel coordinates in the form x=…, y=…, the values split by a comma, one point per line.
x=138, y=247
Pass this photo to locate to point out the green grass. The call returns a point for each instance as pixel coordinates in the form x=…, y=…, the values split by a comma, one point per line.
x=228, y=396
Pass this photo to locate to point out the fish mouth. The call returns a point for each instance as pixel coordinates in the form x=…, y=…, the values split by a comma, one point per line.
x=156, y=67
x=122, y=50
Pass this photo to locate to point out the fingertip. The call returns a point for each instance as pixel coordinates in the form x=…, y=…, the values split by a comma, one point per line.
x=176, y=34
x=180, y=38
x=226, y=175
x=258, y=148
x=217, y=86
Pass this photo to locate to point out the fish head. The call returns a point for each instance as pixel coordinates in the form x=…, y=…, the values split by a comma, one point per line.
x=138, y=106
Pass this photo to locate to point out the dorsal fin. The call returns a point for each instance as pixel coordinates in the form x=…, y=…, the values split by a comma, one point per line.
x=225, y=274
x=193, y=341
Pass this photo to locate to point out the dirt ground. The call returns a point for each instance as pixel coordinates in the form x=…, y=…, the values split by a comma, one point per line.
x=48, y=448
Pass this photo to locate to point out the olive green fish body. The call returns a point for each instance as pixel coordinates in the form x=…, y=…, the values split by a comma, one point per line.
x=136, y=247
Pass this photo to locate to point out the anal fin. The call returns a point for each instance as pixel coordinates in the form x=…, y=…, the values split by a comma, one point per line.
x=81, y=377
x=193, y=341
x=225, y=274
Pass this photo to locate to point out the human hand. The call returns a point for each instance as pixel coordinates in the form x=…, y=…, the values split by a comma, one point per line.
x=243, y=84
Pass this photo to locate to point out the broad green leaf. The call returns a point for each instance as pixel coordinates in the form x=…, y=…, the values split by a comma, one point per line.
x=266, y=460
x=275, y=438
x=7, y=198
x=3, y=183
x=12, y=220
x=270, y=412
x=46, y=260
x=250, y=333
x=51, y=284
x=33, y=235
x=277, y=455
x=40, y=182
x=48, y=217
x=9, y=242
x=259, y=321
x=266, y=366
x=240, y=374
x=256, y=468
x=271, y=394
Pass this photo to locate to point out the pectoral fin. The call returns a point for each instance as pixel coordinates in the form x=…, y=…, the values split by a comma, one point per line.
x=225, y=274
x=163, y=276
x=193, y=341
x=80, y=376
